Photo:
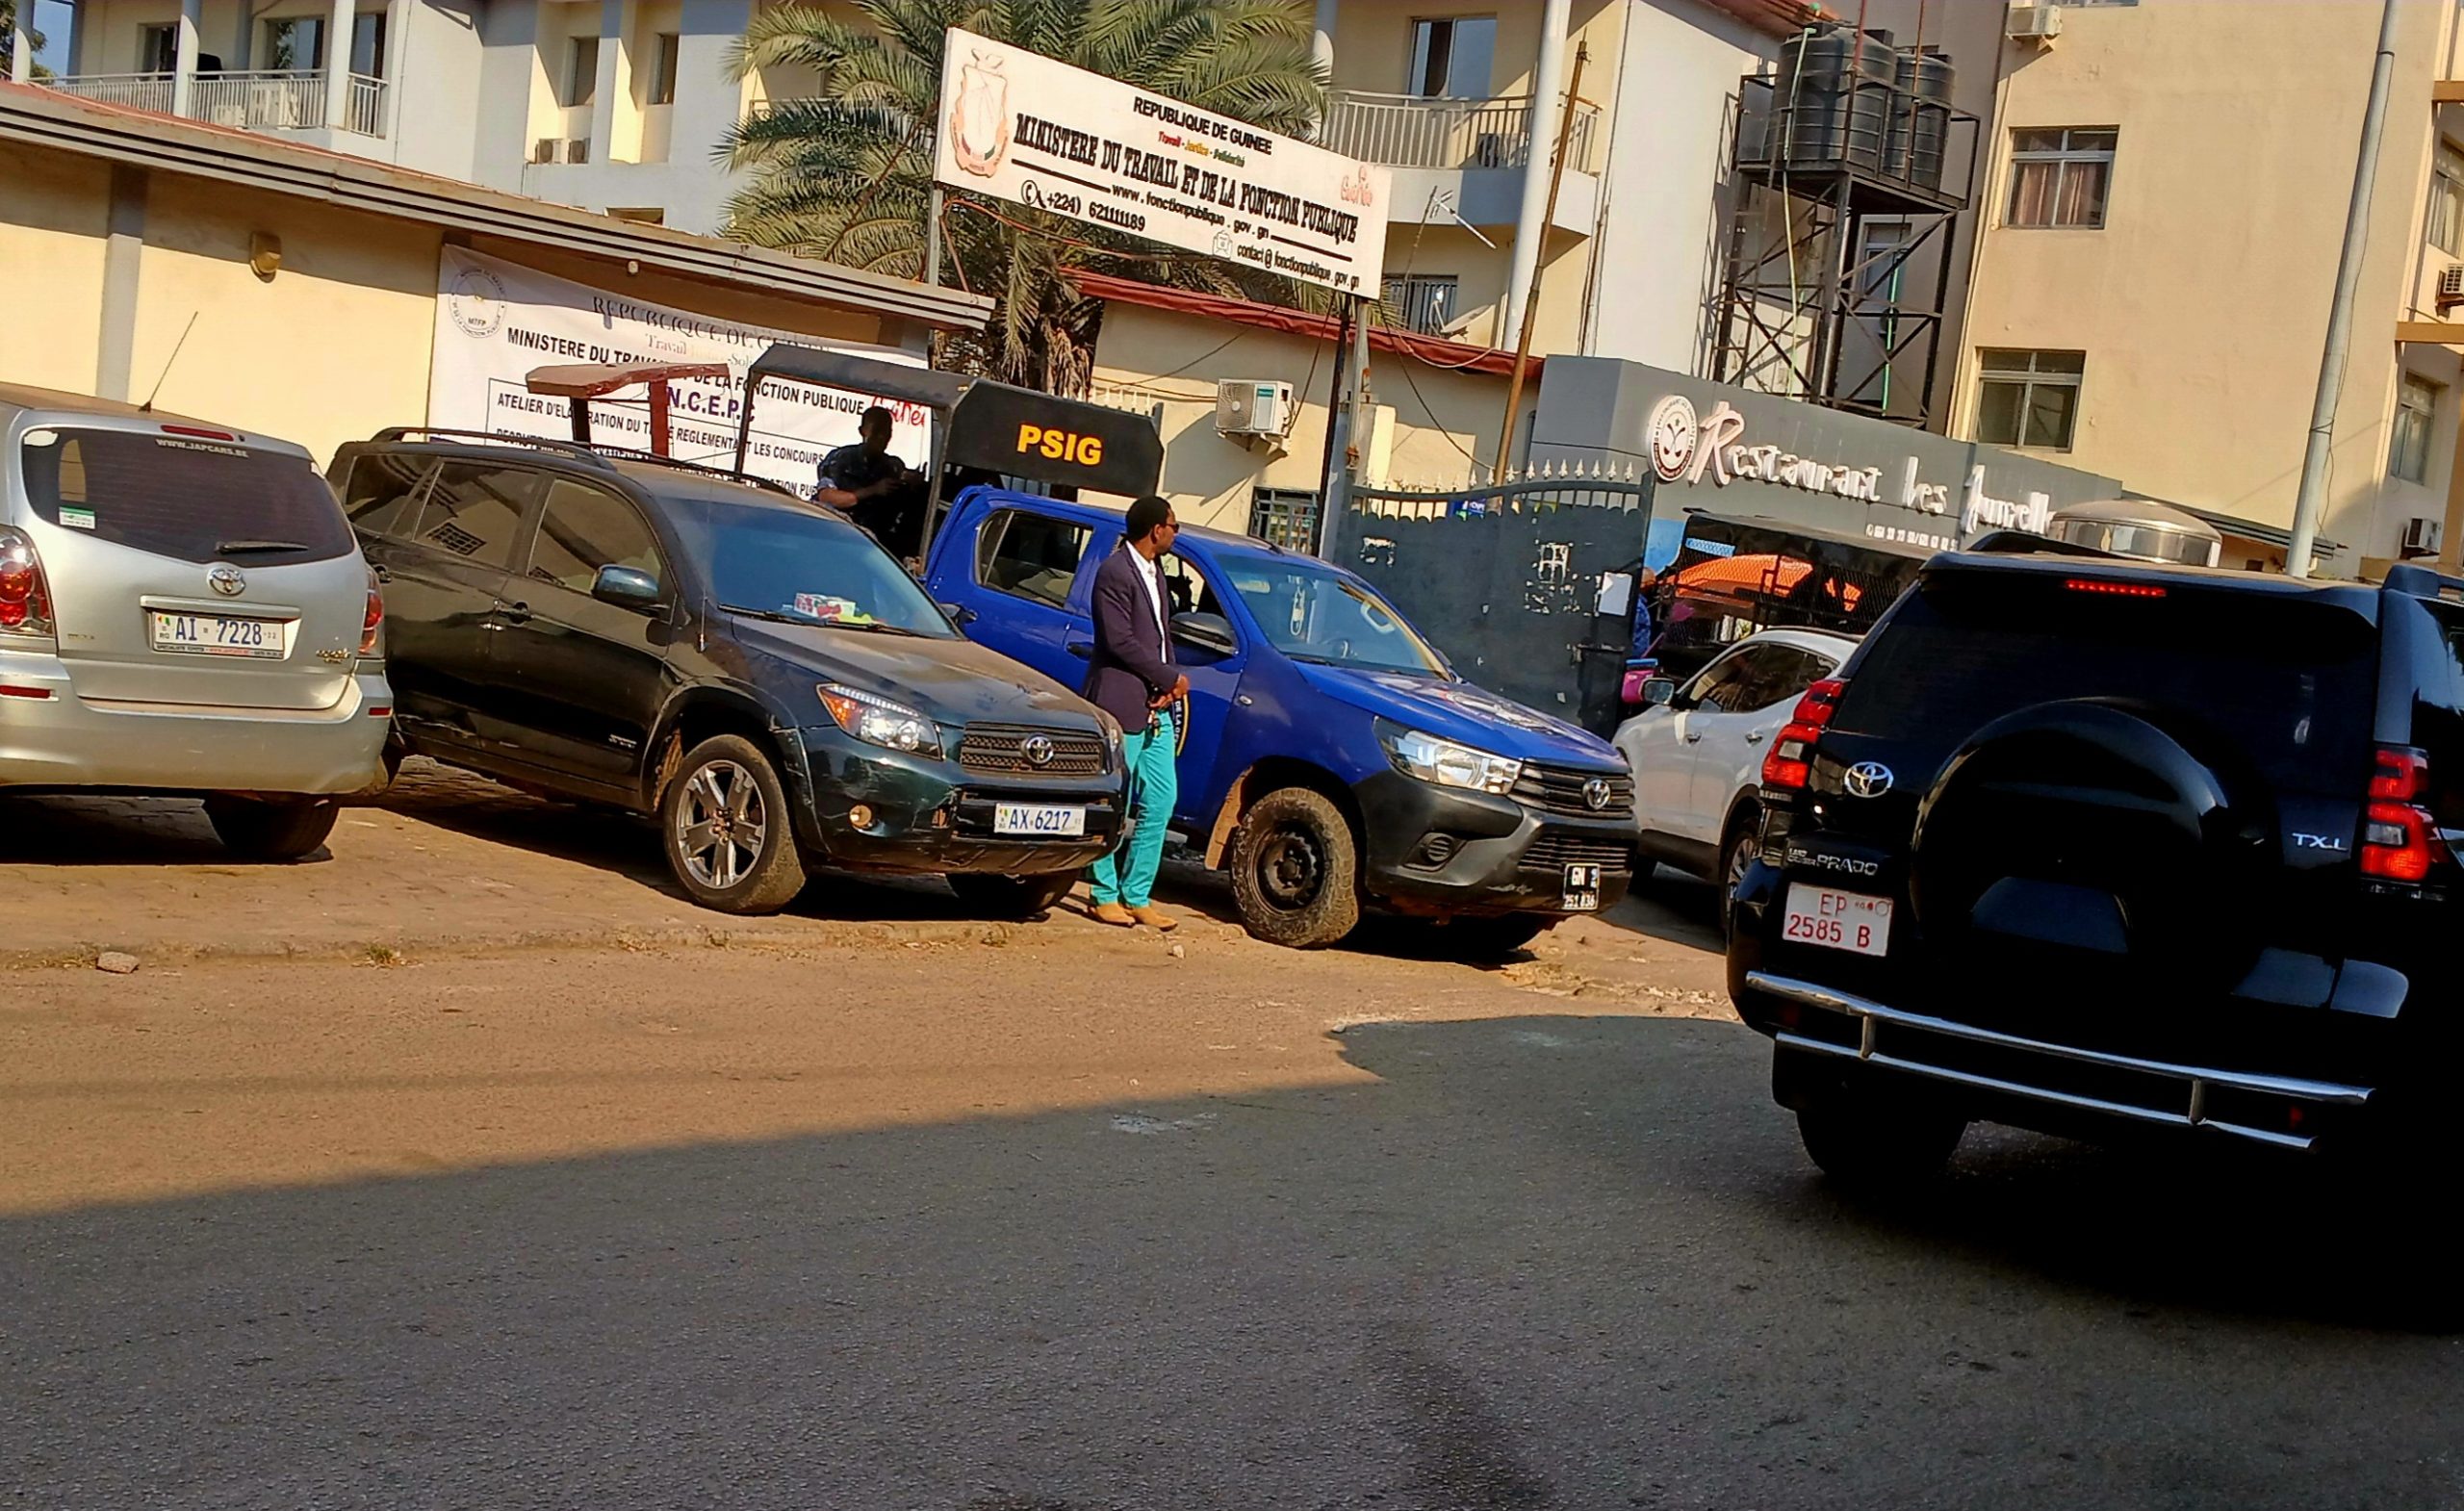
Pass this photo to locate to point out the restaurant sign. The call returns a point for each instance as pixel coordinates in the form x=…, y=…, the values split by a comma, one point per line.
x=1691, y=447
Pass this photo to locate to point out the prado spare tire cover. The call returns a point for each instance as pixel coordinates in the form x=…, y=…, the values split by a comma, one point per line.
x=2099, y=833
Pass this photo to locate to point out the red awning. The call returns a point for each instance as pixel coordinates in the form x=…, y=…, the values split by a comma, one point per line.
x=1435, y=350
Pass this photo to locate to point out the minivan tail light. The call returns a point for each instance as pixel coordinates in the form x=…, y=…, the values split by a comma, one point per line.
x=374, y=619
x=25, y=596
x=2399, y=836
x=1790, y=765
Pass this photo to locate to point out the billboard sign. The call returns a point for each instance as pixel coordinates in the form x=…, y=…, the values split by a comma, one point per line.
x=1019, y=126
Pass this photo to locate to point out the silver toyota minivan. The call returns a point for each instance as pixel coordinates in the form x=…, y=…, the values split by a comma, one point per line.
x=182, y=610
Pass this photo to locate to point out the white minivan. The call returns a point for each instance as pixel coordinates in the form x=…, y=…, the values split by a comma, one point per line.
x=182, y=610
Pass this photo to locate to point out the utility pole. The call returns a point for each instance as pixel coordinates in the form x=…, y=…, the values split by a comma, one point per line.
x=2311, y=500
x=1334, y=492
x=1548, y=219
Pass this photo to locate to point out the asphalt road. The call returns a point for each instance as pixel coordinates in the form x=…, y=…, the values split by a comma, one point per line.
x=1063, y=1222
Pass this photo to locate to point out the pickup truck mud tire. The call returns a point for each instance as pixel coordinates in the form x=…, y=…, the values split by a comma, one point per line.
x=1296, y=872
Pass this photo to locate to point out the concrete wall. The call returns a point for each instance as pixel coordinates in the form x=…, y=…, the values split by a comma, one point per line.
x=1439, y=417
x=55, y=211
x=2202, y=303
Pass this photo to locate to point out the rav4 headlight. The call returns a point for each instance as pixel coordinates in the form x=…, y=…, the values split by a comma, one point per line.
x=878, y=721
x=1446, y=762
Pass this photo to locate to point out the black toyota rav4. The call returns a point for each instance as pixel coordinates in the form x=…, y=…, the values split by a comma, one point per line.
x=2090, y=846
x=757, y=673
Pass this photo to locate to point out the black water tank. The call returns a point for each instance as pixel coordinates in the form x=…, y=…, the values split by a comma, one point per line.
x=1824, y=120
x=1920, y=116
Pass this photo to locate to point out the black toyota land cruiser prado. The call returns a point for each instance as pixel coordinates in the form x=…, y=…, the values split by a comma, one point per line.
x=2092, y=846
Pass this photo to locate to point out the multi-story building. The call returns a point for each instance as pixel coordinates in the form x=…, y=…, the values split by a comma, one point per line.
x=2158, y=254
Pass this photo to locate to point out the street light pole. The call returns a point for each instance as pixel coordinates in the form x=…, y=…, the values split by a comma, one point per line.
x=2311, y=500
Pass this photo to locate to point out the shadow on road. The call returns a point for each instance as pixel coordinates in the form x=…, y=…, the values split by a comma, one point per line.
x=1540, y=1261
x=114, y=831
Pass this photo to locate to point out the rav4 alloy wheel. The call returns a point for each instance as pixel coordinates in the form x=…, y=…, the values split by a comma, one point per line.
x=1296, y=872
x=724, y=821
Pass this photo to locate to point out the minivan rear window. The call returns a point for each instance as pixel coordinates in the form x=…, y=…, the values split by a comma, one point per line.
x=2290, y=683
x=182, y=497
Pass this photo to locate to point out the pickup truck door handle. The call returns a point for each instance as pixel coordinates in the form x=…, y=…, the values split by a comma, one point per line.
x=1082, y=650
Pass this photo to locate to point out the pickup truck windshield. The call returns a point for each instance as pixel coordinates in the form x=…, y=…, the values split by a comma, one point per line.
x=812, y=568
x=1311, y=613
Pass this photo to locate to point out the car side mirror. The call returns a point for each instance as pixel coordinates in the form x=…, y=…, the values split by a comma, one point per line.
x=958, y=614
x=625, y=587
x=1658, y=692
x=1208, y=632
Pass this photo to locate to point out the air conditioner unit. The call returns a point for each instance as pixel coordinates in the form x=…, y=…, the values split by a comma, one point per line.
x=547, y=149
x=578, y=150
x=2450, y=287
x=2424, y=537
x=2033, y=23
x=1247, y=408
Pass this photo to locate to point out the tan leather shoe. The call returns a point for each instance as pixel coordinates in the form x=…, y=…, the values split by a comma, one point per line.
x=1115, y=914
x=1155, y=918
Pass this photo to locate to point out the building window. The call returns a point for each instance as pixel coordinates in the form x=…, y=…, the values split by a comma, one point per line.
x=2416, y=413
x=663, y=78
x=296, y=43
x=1452, y=58
x=1285, y=517
x=1423, y=302
x=2058, y=176
x=2444, y=222
x=157, y=48
x=581, y=71
x=2028, y=398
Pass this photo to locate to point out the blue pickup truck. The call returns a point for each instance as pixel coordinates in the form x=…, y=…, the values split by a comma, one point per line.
x=1333, y=760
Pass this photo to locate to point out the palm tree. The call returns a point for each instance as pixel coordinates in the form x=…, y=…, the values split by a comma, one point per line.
x=847, y=176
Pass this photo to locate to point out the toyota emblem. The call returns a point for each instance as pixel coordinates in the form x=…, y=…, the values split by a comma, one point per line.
x=1868, y=778
x=1595, y=794
x=1036, y=750
x=226, y=579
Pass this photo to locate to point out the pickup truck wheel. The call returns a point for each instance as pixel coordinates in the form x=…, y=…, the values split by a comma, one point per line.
x=1484, y=941
x=724, y=825
x=1870, y=1146
x=272, y=828
x=1018, y=896
x=1296, y=871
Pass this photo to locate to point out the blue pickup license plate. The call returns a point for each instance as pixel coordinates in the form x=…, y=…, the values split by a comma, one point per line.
x=1038, y=820
x=216, y=634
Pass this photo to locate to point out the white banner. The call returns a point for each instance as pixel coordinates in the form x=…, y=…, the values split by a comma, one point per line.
x=1021, y=127
x=495, y=320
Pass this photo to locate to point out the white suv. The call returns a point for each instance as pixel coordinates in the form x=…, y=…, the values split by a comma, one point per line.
x=183, y=609
x=1697, y=748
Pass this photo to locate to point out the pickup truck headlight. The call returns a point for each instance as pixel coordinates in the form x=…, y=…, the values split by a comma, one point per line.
x=878, y=721
x=1444, y=762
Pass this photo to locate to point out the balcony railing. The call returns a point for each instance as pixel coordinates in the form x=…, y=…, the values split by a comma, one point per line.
x=1411, y=131
x=266, y=99
x=135, y=91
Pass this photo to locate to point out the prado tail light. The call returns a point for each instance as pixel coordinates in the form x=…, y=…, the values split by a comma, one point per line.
x=1791, y=763
x=375, y=619
x=25, y=598
x=2399, y=836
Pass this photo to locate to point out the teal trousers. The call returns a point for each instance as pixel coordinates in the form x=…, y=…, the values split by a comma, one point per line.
x=1127, y=874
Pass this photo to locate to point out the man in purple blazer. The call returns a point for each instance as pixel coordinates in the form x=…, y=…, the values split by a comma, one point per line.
x=1130, y=675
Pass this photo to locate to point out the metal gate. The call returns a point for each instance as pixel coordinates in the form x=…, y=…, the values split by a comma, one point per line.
x=1505, y=578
